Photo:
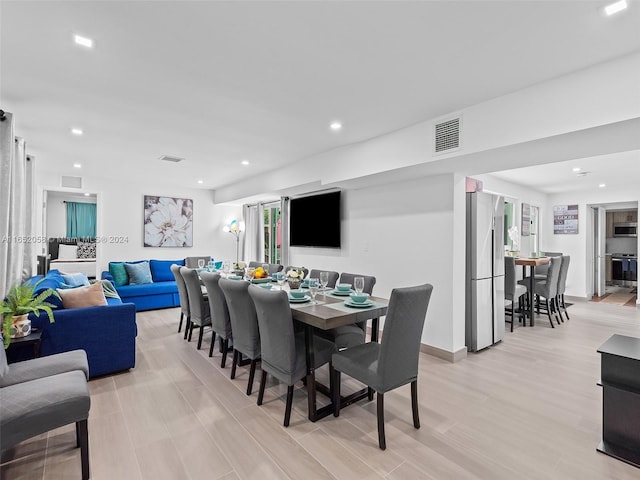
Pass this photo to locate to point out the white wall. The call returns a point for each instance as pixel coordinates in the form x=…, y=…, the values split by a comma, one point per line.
x=121, y=216
x=57, y=211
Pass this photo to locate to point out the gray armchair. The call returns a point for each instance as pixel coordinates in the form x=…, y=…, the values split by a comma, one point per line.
x=394, y=362
x=220, y=322
x=44, y=394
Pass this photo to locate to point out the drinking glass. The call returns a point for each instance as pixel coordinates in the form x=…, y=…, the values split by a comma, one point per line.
x=358, y=284
x=201, y=263
x=250, y=272
x=324, y=280
x=226, y=266
x=313, y=288
x=280, y=278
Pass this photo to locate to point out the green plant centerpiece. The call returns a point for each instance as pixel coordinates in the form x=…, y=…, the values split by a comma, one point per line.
x=19, y=303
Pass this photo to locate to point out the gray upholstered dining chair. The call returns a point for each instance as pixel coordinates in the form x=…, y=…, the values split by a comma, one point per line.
x=333, y=276
x=562, y=285
x=244, y=324
x=547, y=289
x=392, y=363
x=44, y=394
x=512, y=289
x=541, y=271
x=200, y=315
x=220, y=322
x=192, y=262
x=283, y=349
x=347, y=336
x=184, y=299
x=273, y=267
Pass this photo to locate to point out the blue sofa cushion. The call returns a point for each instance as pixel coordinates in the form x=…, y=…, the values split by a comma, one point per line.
x=75, y=280
x=161, y=269
x=118, y=274
x=139, y=273
x=147, y=289
x=52, y=280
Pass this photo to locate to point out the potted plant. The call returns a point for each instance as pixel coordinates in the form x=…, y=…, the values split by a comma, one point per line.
x=18, y=304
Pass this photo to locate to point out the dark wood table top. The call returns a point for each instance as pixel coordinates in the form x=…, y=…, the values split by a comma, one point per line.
x=535, y=262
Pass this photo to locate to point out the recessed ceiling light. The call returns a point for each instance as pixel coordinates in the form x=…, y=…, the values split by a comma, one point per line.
x=615, y=7
x=602, y=185
x=77, y=131
x=245, y=162
x=200, y=182
x=335, y=126
x=576, y=169
x=83, y=41
x=77, y=165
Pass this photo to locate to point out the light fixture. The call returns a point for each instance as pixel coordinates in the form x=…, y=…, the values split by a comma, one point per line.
x=602, y=185
x=576, y=169
x=245, y=162
x=235, y=228
x=335, y=126
x=615, y=7
x=200, y=182
x=77, y=165
x=77, y=131
x=83, y=41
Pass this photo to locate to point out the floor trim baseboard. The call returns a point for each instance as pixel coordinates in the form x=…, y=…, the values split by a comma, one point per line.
x=452, y=357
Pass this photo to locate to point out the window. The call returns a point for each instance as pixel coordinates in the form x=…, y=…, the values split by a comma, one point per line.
x=509, y=221
x=272, y=233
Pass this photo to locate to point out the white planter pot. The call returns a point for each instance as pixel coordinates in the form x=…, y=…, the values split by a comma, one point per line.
x=20, y=326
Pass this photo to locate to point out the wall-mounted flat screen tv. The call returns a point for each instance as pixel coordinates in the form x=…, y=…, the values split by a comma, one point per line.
x=314, y=221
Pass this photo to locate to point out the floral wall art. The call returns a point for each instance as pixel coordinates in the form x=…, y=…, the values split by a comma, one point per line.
x=168, y=222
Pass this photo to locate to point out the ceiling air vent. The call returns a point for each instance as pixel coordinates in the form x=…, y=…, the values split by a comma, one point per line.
x=447, y=135
x=70, y=182
x=171, y=158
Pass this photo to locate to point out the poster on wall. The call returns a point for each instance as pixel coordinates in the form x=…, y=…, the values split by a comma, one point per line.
x=526, y=220
x=565, y=219
x=168, y=222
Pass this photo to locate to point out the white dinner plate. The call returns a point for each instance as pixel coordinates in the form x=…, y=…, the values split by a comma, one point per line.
x=306, y=298
x=350, y=303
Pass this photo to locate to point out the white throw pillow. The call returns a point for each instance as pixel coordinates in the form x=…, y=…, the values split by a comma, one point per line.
x=67, y=252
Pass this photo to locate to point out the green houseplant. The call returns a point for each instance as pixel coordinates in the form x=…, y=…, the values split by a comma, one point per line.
x=18, y=304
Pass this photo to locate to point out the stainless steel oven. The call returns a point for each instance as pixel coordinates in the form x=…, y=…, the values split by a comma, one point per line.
x=625, y=229
x=624, y=269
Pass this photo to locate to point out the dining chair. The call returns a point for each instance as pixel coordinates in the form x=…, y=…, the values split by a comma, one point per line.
x=244, y=325
x=512, y=289
x=392, y=363
x=562, y=285
x=291, y=267
x=333, y=276
x=192, y=262
x=220, y=323
x=282, y=349
x=184, y=299
x=198, y=306
x=547, y=289
x=541, y=271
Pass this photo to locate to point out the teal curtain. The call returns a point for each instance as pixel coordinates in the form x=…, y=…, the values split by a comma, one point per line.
x=81, y=220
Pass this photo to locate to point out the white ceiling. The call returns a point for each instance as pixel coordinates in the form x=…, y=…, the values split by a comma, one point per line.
x=218, y=82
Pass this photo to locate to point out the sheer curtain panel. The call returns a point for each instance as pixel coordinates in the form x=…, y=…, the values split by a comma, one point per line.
x=253, y=242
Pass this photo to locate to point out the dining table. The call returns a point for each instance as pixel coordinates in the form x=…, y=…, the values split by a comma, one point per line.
x=531, y=263
x=330, y=311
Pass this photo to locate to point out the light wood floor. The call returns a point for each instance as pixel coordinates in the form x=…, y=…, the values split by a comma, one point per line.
x=528, y=408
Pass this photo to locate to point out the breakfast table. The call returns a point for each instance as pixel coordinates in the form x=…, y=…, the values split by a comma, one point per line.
x=532, y=263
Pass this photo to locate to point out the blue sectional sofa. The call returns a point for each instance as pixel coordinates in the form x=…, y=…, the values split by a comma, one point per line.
x=106, y=333
x=162, y=292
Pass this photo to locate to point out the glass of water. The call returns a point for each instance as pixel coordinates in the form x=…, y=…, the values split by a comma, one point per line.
x=314, y=284
x=324, y=280
x=358, y=284
x=201, y=263
x=280, y=278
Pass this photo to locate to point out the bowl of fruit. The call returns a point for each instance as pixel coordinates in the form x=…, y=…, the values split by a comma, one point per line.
x=260, y=275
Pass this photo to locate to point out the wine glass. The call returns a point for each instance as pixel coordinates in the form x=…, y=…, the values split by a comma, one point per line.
x=280, y=278
x=358, y=284
x=324, y=280
x=226, y=266
x=201, y=263
x=313, y=288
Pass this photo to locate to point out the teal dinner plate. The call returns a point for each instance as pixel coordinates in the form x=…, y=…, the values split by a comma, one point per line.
x=366, y=304
x=260, y=280
x=306, y=298
x=342, y=294
x=235, y=277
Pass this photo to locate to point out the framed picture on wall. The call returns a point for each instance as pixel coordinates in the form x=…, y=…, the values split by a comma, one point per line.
x=565, y=219
x=168, y=222
x=526, y=220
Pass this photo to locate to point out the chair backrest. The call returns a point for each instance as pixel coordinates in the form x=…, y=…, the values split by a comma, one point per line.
x=182, y=289
x=333, y=276
x=542, y=269
x=510, y=280
x=369, y=281
x=400, y=347
x=242, y=314
x=198, y=306
x=291, y=267
x=562, y=277
x=192, y=262
x=220, y=322
x=273, y=267
x=551, y=285
x=277, y=337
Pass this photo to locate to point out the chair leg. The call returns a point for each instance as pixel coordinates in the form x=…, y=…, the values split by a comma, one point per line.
x=187, y=326
x=252, y=372
x=82, y=436
x=234, y=363
x=225, y=350
x=546, y=300
x=381, y=439
x=287, y=410
x=263, y=380
x=191, y=326
x=556, y=310
x=213, y=342
x=414, y=403
x=513, y=312
x=200, y=334
x=336, y=393
x=180, y=324
x=564, y=306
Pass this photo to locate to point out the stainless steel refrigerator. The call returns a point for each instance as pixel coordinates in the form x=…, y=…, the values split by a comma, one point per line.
x=485, y=270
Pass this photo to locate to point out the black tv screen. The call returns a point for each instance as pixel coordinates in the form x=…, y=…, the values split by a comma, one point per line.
x=314, y=221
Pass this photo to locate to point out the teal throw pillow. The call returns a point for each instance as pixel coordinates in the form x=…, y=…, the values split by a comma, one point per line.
x=139, y=273
x=119, y=273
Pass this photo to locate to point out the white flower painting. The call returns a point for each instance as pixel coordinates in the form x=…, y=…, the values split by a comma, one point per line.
x=168, y=222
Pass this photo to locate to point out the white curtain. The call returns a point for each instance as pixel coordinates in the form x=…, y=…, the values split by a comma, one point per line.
x=16, y=207
x=284, y=231
x=253, y=241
